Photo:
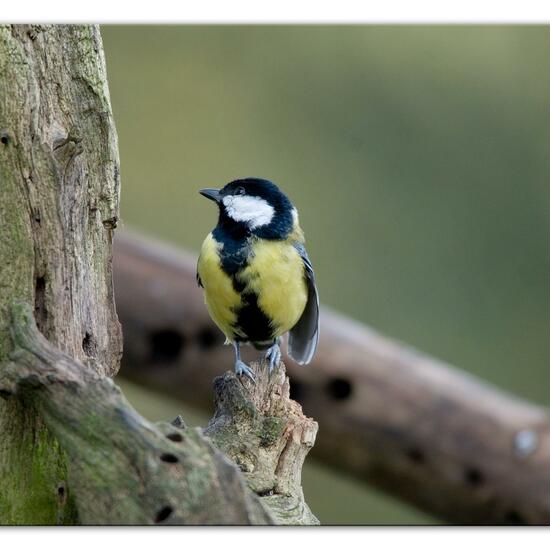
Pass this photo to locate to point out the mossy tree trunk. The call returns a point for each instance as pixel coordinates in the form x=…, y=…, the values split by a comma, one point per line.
x=72, y=449
x=59, y=189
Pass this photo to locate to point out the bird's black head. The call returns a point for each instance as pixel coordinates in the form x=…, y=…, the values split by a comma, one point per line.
x=253, y=206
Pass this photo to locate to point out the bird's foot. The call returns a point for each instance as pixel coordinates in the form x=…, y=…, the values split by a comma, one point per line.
x=242, y=368
x=274, y=355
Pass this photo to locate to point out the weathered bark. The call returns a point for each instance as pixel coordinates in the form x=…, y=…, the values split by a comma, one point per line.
x=59, y=185
x=72, y=449
x=60, y=188
x=126, y=471
x=266, y=434
x=400, y=420
x=123, y=469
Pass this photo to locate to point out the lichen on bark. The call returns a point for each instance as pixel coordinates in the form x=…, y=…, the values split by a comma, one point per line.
x=123, y=470
x=59, y=181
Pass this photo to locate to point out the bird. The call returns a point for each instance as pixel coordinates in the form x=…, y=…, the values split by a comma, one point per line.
x=257, y=278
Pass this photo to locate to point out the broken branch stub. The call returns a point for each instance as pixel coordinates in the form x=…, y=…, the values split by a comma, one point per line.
x=267, y=435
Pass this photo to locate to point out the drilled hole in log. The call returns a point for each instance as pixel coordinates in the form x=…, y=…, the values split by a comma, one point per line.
x=40, y=313
x=296, y=391
x=110, y=223
x=89, y=345
x=169, y=457
x=207, y=338
x=61, y=493
x=175, y=437
x=414, y=454
x=513, y=518
x=473, y=477
x=166, y=345
x=339, y=388
x=163, y=514
x=4, y=138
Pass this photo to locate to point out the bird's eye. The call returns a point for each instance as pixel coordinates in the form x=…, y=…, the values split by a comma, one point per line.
x=240, y=191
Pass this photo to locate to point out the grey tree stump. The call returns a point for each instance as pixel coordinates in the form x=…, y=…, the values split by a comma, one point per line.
x=59, y=183
x=267, y=435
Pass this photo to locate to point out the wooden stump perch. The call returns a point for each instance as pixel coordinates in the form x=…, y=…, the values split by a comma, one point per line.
x=262, y=430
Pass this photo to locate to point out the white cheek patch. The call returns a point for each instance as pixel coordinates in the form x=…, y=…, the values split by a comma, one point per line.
x=252, y=210
x=294, y=217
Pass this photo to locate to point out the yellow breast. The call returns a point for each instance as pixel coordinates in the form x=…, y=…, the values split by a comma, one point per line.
x=221, y=299
x=275, y=274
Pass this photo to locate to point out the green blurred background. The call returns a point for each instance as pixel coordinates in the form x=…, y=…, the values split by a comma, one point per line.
x=417, y=157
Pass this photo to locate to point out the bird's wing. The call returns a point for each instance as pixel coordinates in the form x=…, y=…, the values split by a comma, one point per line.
x=197, y=276
x=304, y=336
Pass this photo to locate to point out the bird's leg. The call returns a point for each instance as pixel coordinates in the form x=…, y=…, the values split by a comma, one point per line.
x=274, y=355
x=240, y=366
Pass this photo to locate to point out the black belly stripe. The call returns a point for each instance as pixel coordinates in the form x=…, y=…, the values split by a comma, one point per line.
x=252, y=321
x=238, y=286
x=234, y=252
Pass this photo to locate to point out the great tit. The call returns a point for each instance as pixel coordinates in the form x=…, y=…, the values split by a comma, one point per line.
x=257, y=278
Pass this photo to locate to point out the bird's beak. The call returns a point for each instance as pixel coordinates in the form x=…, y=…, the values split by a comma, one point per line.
x=212, y=194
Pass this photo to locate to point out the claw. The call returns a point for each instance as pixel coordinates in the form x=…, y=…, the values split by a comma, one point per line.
x=274, y=356
x=241, y=368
